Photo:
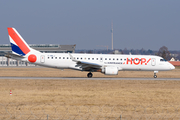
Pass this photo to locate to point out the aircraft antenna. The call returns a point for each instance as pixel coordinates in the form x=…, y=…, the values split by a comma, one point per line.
x=112, y=34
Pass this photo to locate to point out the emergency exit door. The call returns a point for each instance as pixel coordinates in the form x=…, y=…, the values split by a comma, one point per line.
x=42, y=58
x=153, y=61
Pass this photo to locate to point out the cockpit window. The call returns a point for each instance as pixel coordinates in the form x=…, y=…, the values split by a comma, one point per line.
x=162, y=60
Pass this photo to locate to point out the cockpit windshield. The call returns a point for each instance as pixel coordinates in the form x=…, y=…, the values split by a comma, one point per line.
x=163, y=60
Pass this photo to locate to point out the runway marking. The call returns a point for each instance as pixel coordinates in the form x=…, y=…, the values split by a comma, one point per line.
x=94, y=78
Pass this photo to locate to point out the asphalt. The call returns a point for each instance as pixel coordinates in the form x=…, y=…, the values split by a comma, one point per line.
x=93, y=78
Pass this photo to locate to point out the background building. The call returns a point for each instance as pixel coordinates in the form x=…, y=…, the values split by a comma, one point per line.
x=45, y=48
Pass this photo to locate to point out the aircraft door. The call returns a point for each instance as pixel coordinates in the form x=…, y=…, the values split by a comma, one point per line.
x=153, y=61
x=42, y=58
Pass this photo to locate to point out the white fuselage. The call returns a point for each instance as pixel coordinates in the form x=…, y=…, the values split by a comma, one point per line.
x=108, y=64
x=122, y=62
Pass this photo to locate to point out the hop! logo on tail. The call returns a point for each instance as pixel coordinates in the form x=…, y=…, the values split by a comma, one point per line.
x=137, y=61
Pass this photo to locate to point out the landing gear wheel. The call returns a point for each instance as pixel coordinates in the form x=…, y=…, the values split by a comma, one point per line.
x=89, y=75
x=155, y=76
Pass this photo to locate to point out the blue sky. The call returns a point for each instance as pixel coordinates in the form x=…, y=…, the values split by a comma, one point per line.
x=148, y=24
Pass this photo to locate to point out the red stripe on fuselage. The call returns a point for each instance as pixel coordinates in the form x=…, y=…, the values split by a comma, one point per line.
x=18, y=41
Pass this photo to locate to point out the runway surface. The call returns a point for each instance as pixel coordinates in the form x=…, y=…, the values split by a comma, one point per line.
x=73, y=78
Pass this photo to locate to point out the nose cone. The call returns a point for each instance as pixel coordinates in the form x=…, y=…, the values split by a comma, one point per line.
x=171, y=66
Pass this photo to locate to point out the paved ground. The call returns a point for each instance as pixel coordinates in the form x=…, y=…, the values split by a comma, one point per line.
x=77, y=78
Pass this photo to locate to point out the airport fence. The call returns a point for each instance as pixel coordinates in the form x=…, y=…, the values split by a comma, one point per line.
x=88, y=112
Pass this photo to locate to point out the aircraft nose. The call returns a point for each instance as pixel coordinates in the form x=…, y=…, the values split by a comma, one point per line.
x=171, y=66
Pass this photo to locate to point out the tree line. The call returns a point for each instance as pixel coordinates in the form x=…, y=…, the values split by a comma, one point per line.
x=163, y=52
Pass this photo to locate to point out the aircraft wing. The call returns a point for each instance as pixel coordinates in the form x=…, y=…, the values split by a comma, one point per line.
x=86, y=66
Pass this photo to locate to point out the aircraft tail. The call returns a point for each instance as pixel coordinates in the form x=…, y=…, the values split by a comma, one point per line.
x=18, y=44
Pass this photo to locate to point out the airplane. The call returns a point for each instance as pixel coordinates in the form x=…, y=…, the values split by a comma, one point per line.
x=108, y=64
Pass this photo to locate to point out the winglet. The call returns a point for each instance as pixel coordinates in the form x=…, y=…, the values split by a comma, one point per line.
x=72, y=58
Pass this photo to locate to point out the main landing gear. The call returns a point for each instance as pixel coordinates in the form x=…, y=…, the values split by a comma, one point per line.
x=89, y=75
x=155, y=76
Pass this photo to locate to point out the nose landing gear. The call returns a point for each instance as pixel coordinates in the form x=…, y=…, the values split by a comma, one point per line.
x=155, y=76
x=89, y=75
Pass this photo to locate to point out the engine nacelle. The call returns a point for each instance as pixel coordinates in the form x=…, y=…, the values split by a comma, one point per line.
x=110, y=70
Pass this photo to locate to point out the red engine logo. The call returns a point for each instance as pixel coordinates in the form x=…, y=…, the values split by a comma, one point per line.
x=32, y=58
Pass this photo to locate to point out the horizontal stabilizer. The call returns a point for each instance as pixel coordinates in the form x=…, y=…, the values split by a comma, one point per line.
x=10, y=55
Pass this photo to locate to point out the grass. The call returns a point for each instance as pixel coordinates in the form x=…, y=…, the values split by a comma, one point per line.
x=87, y=92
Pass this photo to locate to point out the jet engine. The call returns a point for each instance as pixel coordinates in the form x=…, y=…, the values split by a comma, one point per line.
x=110, y=71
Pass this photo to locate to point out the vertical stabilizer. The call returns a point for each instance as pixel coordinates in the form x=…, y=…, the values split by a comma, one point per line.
x=18, y=44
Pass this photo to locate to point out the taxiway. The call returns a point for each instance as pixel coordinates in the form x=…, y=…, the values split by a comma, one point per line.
x=94, y=78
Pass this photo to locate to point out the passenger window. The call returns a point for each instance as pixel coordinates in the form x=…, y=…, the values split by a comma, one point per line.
x=124, y=59
x=113, y=59
x=109, y=58
x=96, y=58
x=67, y=58
x=117, y=59
x=56, y=57
x=63, y=57
x=88, y=58
x=59, y=57
x=81, y=58
x=48, y=57
x=77, y=58
x=92, y=58
x=52, y=57
x=105, y=58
